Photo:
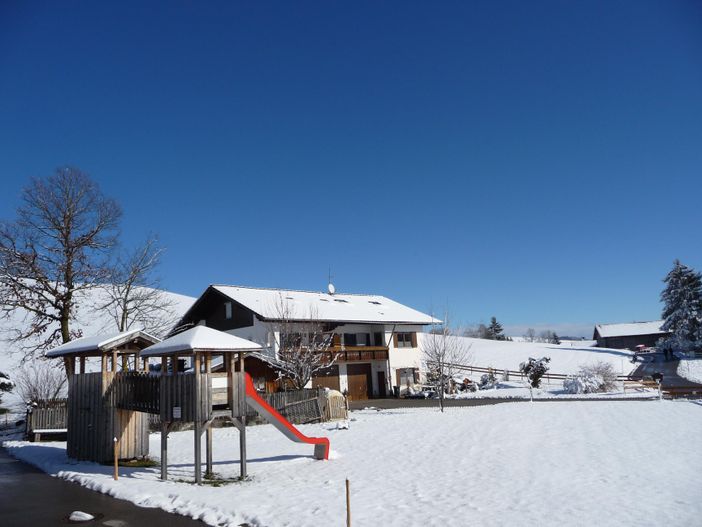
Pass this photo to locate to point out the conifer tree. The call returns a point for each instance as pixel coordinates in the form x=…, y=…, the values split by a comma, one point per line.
x=682, y=308
x=494, y=330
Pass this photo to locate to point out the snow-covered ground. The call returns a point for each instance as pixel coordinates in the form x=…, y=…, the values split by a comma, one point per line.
x=691, y=369
x=528, y=464
x=565, y=358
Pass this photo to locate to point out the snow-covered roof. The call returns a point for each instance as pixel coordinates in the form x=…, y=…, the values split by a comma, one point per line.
x=630, y=329
x=100, y=343
x=201, y=338
x=338, y=307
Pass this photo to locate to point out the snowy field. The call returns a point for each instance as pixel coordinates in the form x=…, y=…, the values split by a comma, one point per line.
x=527, y=464
x=691, y=369
x=566, y=358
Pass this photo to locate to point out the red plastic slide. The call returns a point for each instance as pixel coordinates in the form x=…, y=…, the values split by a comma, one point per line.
x=270, y=414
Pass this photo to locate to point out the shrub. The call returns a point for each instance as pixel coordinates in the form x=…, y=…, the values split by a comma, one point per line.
x=488, y=380
x=534, y=369
x=592, y=378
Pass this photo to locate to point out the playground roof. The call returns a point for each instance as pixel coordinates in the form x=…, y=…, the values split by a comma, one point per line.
x=98, y=344
x=201, y=338
x=325, y=307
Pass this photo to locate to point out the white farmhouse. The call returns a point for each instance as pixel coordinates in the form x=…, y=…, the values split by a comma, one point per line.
x=375, y=337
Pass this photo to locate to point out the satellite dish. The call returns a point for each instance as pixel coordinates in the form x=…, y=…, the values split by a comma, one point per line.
x=331, y=288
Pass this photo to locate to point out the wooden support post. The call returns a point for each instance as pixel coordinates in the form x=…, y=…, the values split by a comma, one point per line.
x=242, y=447
x=208, y=454
x=114, y=361
x=208, y=432
x=125, y=362
x=103, y=363
x=198, y=420
x=164, y=451
x=174, y=364
x=82, y=364
x=241, y=362
x=228, y=360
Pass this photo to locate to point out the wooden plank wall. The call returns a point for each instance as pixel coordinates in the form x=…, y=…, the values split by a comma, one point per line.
x=94, y=420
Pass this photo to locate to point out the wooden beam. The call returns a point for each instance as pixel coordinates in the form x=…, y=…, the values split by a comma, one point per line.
x=114, y=360
x=208, y=448
x=198, y=419
x=103, y=363
x=82, y=364
x=164, y=451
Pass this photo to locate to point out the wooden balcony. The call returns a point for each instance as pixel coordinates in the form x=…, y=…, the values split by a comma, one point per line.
x=359, y=353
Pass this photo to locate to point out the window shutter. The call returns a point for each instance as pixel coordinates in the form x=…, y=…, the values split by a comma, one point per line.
x=394, y=339
x=337, y=340
x=414, y=339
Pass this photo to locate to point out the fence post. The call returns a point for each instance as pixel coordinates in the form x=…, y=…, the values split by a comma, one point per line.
x=348, y=504
x=116, y=456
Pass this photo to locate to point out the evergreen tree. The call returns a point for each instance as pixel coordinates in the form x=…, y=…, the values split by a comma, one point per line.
x=682, y=308
x=5, y=386
x=494, y=330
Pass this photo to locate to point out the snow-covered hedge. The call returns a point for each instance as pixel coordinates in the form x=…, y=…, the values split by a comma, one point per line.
x=592, y=378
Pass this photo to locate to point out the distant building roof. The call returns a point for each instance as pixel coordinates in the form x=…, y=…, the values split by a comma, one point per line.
x=629, y=329
x=101, y=343
x=306, y=305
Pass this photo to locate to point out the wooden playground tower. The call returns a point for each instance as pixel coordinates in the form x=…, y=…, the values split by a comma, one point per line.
x=113, y=404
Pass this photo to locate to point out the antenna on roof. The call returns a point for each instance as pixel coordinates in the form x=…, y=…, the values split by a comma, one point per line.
x=330, y=286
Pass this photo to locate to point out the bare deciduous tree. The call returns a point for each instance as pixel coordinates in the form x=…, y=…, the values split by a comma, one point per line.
x=302, y=343
x=55, y=249
x=530, y=335
x=133, y=294
x=40, y=380
x=443, y=351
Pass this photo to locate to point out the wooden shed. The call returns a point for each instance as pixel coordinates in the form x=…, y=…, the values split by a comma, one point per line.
x=95, y=416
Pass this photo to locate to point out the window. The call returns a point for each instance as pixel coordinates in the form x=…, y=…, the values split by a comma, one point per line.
x=228, y=310
x=341, y=300
x=378, y=339
x=405, y=340
x=374, y=302
x=362, y=339
x=349, y=339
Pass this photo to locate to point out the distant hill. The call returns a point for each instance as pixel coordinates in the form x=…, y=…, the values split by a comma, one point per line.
x=88, y=319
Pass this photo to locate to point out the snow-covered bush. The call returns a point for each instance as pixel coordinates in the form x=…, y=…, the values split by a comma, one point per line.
x=592, y=378
x=488, y=380
x=534, y=369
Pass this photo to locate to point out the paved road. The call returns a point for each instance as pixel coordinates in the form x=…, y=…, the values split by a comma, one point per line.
x=656, y=363
x=31, y=498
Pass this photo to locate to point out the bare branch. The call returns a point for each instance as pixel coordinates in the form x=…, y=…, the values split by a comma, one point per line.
x=302, y=343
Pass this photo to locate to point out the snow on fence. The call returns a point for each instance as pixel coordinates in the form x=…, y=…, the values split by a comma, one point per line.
x=516, y=374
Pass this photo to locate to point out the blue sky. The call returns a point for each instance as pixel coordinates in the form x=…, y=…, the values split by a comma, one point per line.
x=539, y=162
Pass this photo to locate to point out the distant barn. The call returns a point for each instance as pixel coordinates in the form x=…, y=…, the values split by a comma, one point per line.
x=628, y=336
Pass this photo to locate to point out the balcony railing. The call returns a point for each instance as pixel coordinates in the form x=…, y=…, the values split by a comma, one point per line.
x=359, y=353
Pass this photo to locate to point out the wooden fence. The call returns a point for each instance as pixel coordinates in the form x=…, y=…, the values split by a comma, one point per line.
x=47, y=417
x=516, y=374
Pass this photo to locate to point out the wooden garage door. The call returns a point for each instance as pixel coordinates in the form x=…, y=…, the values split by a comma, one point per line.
x=359, y=379
x=327, y=378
